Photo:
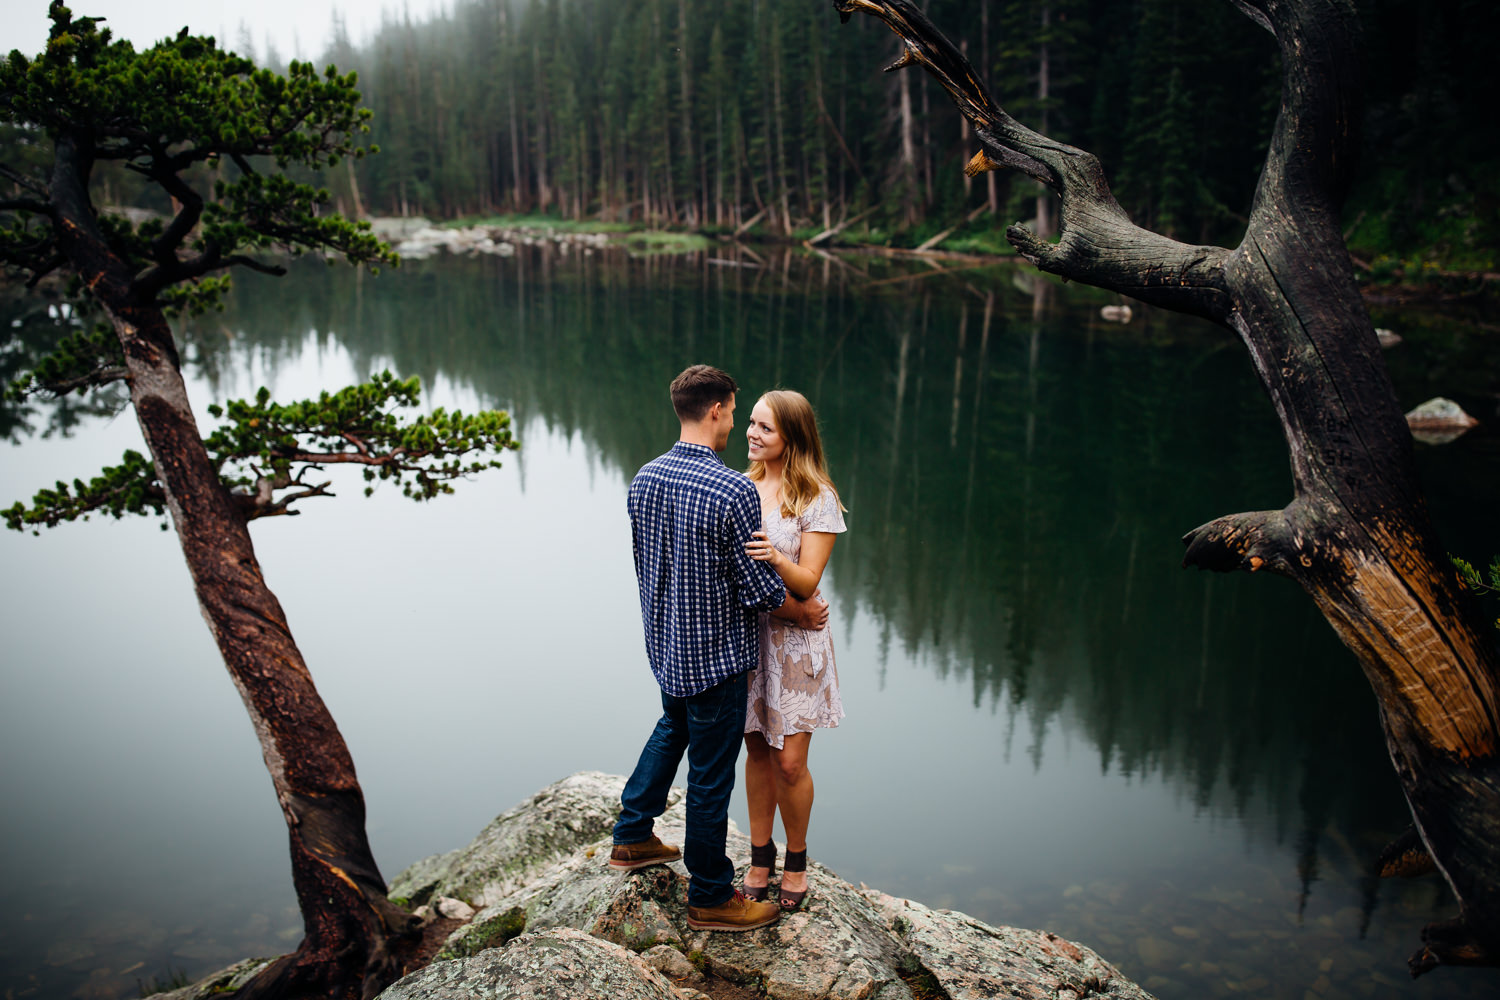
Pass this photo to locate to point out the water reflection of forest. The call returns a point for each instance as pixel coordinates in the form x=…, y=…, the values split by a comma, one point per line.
x=1018, y=472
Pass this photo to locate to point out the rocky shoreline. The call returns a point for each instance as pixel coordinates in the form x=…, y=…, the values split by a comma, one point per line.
x=418, y=238
x=547, y=918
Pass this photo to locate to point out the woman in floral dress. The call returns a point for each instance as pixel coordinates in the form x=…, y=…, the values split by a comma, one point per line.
x=795, y=689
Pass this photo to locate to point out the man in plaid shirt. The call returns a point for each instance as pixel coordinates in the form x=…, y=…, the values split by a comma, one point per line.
x=690, y=517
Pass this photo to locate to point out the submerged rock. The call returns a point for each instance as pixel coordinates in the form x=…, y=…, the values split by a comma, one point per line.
x=540, y=872
x=1439, y=421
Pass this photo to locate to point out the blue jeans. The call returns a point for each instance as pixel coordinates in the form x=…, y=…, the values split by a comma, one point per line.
x=710, y=726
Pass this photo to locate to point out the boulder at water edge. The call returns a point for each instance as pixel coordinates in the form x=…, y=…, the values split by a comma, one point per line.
x=561, y=964
x=1439, y=421
x=556, y=921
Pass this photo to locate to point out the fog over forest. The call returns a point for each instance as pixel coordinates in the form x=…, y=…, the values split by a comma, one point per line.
x=700, y=113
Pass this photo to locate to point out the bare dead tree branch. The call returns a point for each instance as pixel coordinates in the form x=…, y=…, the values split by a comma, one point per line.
x=1356, y=536
x=1098, y=245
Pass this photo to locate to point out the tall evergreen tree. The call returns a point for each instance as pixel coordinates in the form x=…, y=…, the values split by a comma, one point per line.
x=606, y=109
x=218, y=136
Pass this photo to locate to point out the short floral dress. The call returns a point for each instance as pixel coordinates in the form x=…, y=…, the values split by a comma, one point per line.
x=796, y=687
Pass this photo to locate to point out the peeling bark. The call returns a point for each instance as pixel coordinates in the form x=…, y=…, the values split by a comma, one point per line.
x=1356, y=534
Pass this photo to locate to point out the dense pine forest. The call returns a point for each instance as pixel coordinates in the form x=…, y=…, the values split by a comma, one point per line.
x=704, y=114
x=709, y=114
x=771, y=114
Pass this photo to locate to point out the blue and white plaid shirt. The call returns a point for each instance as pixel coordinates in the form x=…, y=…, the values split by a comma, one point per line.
x=690, y=517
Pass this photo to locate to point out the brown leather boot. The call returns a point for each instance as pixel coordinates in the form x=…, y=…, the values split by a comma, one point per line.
x=627, y=857
x=737, y=913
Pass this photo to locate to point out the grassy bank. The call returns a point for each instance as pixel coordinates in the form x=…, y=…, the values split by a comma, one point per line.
x=1433, y=272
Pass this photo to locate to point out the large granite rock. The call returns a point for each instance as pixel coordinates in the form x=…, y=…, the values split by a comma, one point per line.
x=220, y=983
x=561, y=964
x=969, y=958
x=542, y=878
x=521, y=844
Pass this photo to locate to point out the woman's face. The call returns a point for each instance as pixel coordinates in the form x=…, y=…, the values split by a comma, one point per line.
x=766, y=444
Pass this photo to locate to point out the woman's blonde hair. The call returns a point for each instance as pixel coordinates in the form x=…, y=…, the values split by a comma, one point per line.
x=804, y=472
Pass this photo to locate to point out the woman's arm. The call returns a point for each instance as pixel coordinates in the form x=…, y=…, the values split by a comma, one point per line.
x=800, y=578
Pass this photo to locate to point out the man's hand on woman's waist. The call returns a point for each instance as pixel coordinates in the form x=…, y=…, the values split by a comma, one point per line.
x=809, y=614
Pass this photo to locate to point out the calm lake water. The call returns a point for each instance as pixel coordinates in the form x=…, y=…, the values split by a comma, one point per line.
x=1050, y=724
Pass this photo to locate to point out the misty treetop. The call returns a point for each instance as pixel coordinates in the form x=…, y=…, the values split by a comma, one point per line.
x=173, y=117
x=703, y=113
x=706, y=114
x=709, y=114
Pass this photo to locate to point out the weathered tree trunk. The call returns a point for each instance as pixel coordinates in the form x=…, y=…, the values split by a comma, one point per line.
x=359, y=205
x=908, y=161
x=518, y=175
x=1356, y=534
x=585, y=181
x=1043, y=98
x=719, y=164
x=929, y=189
x=689, y=145
x=349, y=924
x=543, y=179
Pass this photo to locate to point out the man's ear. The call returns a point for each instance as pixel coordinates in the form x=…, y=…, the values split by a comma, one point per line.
x=713, y=411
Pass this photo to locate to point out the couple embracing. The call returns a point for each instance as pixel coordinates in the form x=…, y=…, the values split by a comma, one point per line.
x=728, y=566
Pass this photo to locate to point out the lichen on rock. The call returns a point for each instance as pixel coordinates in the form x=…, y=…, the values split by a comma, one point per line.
x=220, y=983
x=492, y=931
x=521, y=843
x=558, y=964
x=543, y=868
x=969, y=958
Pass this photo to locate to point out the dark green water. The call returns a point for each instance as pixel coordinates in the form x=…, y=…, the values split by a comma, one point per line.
x=1050, y=723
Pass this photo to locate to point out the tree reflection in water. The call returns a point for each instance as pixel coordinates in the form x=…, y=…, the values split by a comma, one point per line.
x=1017, y=470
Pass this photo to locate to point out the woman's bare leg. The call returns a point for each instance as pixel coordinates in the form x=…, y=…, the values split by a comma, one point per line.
x=760, y=794
x=794, y=797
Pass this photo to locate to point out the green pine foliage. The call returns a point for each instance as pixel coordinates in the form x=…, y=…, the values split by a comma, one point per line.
x=272, y=443
x=1428, y=192
x=205, y=127
x=229, y=147
x=694, y=113
x=1487, y=582
x=128, y=488
x=265, y=452
x=48, y=342
x=699, y=113
x=79, y=360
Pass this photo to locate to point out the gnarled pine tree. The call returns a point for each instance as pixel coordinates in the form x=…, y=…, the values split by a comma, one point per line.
x=186, y=117
x=1356, y=534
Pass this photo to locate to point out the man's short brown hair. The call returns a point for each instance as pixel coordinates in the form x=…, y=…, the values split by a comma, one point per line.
x=699, y=388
